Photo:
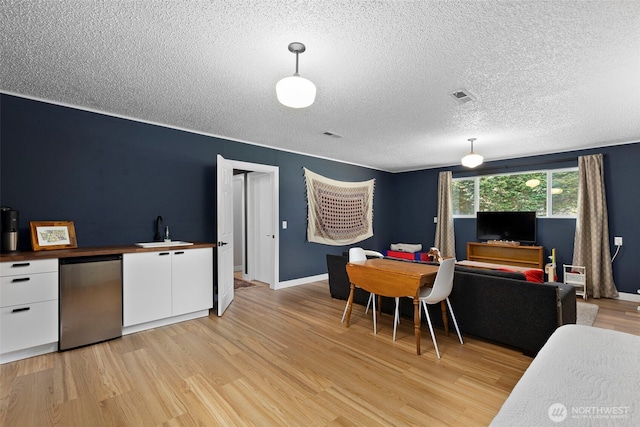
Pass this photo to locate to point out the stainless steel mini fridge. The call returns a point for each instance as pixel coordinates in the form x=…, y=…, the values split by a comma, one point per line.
x=90, y=300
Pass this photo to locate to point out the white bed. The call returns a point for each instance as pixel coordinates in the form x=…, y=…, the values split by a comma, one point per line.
x=583, y=376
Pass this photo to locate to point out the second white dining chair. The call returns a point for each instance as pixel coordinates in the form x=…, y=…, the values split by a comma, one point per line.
x=442, y=286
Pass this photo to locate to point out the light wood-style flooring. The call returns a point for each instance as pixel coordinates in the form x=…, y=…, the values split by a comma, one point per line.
x=276, y=358
x=617, y=315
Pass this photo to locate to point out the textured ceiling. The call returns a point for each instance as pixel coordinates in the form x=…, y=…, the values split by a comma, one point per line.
x=548, y=76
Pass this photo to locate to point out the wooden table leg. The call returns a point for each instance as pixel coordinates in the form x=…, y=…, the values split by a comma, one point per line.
x=445, y=320
x=349, y=305
x=416, y=321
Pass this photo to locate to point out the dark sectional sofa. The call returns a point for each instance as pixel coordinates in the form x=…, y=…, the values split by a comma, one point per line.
x=499, y=306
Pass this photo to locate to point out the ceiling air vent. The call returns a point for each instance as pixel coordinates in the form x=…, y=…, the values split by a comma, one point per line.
x=463, y=96
x=332, y=135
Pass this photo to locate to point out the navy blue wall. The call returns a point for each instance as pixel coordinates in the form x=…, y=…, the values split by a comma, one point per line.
x=416, y=201
x=113, y=176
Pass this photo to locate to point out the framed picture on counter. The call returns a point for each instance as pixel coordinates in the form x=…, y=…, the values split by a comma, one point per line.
x=49, y=235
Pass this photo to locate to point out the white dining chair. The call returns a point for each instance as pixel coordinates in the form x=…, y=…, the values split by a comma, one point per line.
x=359, y=254
x=442, y=286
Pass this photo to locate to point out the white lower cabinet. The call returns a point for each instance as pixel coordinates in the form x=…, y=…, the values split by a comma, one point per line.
x=192, y=280
x=146, y=287
x=28, y=325
x=161, y=285
x=28, y=308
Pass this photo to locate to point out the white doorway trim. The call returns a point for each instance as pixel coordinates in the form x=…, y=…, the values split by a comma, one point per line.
x=251, y=249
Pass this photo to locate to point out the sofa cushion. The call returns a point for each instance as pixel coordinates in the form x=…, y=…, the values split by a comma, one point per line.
x=493, y=273
x=533, y=275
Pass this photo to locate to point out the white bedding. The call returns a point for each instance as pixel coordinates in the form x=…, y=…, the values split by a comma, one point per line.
x=583, y=376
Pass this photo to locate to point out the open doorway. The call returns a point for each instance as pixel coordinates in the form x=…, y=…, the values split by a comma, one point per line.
x=239, y=224
x=262, y=254
x=255, y=229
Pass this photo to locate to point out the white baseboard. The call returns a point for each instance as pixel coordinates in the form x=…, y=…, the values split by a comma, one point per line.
x=302, y=281
x=126, y=330
x=625, y=296
x=28, y=352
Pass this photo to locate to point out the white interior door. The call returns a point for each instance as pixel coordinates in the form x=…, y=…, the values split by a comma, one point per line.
x=225, y=233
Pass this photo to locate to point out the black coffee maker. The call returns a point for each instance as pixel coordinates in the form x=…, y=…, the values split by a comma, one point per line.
x=9, y=221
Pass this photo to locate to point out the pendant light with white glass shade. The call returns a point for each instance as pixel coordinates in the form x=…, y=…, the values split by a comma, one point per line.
x=296, y=91
x=472, y=159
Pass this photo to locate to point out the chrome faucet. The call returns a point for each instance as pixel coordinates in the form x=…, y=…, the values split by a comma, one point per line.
x=159, y=226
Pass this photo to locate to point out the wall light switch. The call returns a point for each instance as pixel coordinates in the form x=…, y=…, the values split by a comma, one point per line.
x=284, y=225
x=435, y=219
x=617, y=241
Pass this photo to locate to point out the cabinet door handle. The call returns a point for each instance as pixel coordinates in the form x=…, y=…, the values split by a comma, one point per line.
x=18, y=310
x=179, y=253
x=21, y=279
x=163, y=253
x=21, y=264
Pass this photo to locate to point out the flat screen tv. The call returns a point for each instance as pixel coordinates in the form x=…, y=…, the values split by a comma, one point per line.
x=513, y=226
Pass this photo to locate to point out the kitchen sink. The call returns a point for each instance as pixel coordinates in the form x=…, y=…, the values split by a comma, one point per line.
x=163, y=244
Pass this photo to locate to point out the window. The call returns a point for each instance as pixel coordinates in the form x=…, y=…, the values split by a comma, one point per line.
x=527, y=191
x=564, y=193
x=463, y=196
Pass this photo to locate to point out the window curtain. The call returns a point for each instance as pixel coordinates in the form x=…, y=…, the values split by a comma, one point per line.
x=591, y=244
x=445, y=238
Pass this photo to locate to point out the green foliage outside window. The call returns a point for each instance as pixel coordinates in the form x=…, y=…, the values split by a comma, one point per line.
x=463, y=197
x=511, y=193
x=564, y=193
x=518, y=192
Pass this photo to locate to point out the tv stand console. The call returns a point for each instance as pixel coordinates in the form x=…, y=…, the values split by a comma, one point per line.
x=522, y=256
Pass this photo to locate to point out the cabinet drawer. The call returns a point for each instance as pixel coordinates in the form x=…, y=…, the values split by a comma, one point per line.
x=28, y=325
x=28, y=288
x=28, y=267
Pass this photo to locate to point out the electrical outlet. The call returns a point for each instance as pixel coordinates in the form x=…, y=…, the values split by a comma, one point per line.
x=435, y=219
x=617, y=241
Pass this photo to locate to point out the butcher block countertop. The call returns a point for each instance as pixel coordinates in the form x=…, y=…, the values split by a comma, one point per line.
x=92, y=251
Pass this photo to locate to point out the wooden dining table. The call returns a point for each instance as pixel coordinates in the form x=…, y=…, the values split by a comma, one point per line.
x=393, y=278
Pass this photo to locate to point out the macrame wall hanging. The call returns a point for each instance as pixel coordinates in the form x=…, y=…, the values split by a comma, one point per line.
x=339, y=213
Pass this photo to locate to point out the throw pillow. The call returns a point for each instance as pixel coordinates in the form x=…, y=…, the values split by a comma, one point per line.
x=534, y=276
